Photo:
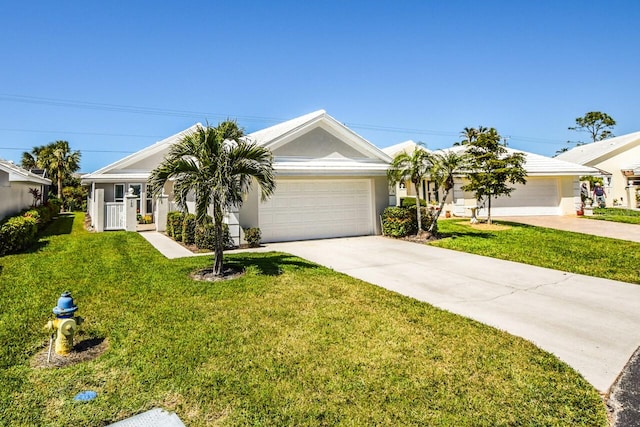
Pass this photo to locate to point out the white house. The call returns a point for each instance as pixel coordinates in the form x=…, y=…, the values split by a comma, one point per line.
x=618, y=160
x=15, y=184
x=330, y=181
x=552, y=187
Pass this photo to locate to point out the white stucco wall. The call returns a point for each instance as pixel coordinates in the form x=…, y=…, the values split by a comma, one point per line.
x=15, y=197
x=614, y=165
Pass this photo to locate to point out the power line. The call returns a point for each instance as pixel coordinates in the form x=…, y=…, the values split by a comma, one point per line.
x=196, y=114
x=81, y=133
x=79, y=149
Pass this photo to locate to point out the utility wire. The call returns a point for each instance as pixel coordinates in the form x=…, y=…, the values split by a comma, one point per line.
x=197, y=114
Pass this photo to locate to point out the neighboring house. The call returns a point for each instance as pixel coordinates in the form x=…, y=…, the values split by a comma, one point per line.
x=618, y=159
x=15, y=184
x=552, y=188
x=330, y=182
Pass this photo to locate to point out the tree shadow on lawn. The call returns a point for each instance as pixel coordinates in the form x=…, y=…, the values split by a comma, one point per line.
x=270, y=263
x=472, y=233
x=62, y=225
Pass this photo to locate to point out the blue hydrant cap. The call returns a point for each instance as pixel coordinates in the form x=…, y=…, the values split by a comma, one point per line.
x=65, y=305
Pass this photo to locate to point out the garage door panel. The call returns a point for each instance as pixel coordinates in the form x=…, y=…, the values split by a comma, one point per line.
x=313, y=209
x=536, y=197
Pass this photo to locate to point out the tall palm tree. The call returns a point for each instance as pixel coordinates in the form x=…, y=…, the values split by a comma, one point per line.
x=445, y=166
x=59, y=161
x=468, y=135
x=218, y=165
x=412, y=167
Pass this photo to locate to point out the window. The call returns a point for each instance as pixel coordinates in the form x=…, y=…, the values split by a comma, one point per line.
x=148, y=200
x=118, y=193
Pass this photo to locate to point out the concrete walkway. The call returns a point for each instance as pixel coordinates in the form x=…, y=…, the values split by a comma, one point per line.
x=590, y=323
x=611, y=229
x=166, y=246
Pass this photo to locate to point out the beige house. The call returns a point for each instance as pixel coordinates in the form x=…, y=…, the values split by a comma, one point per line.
x=552, y=188
x=15, y=184
x=330, y=182
x=618, y=160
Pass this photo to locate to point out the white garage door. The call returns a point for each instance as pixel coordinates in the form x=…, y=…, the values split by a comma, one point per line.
x=316, y=209
x=539, y=196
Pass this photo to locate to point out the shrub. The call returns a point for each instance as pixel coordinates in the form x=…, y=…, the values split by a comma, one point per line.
x=252, y=236
x=189, y=229
x=398, y=221
x=54, y=205
x=174, y=225
x=45, y=213
x=401, y=221
x=205, y=236
x=407, y=202
x=17, y=233
x=35, y=214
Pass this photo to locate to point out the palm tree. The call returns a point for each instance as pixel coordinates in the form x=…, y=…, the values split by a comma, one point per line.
x=445, y=165
x=412, y=167
x=59, y=161
x=468, y=135
x=218, y=165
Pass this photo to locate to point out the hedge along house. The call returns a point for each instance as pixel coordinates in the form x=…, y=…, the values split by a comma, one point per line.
x=552, y=188
x=618, y=160
x=330, y=182
x=15, y=183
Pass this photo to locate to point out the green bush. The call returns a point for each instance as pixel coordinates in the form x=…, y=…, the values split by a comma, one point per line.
x=45, y=213
x=174, y=225
x=205, y=236
x=399, y=221
x=252, y=236
x=189, y=229
x=17, y=233
x=407, y=202
x=35, y=214
x=54, y=204
x=402, y=221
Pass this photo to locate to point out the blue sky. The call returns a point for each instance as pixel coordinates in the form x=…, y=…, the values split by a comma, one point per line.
x=114, y=77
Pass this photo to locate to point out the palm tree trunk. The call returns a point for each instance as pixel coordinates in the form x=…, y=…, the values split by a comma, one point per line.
x=418, y=215
x=219, y=245
x=439, y=211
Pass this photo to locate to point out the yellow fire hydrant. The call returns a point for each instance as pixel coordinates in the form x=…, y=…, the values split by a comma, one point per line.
x=65, y=324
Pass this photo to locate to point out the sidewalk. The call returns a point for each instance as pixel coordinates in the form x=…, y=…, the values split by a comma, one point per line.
x=166, y=246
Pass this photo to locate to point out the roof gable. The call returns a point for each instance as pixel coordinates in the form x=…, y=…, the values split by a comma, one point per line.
x=592, y=153
x=333, y=140
x=145, y=159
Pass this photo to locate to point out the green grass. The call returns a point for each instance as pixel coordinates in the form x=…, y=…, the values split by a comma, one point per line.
x=627, y=216
x=545, y=247
x=290, y=343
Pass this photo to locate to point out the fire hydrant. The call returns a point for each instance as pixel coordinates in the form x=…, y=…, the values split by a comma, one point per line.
x=65, y=324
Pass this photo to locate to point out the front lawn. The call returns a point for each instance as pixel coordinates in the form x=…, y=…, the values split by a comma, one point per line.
x=545, y=247
x=290, y=343
x=627, y=216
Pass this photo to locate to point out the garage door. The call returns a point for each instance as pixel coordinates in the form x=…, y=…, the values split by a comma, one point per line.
x=316, y=209
x=537, y=197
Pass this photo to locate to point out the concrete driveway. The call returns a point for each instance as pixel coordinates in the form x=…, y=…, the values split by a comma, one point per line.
x=615, y=230
x=592, y=324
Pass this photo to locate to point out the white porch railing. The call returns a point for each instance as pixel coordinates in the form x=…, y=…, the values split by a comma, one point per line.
x=114, y=216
